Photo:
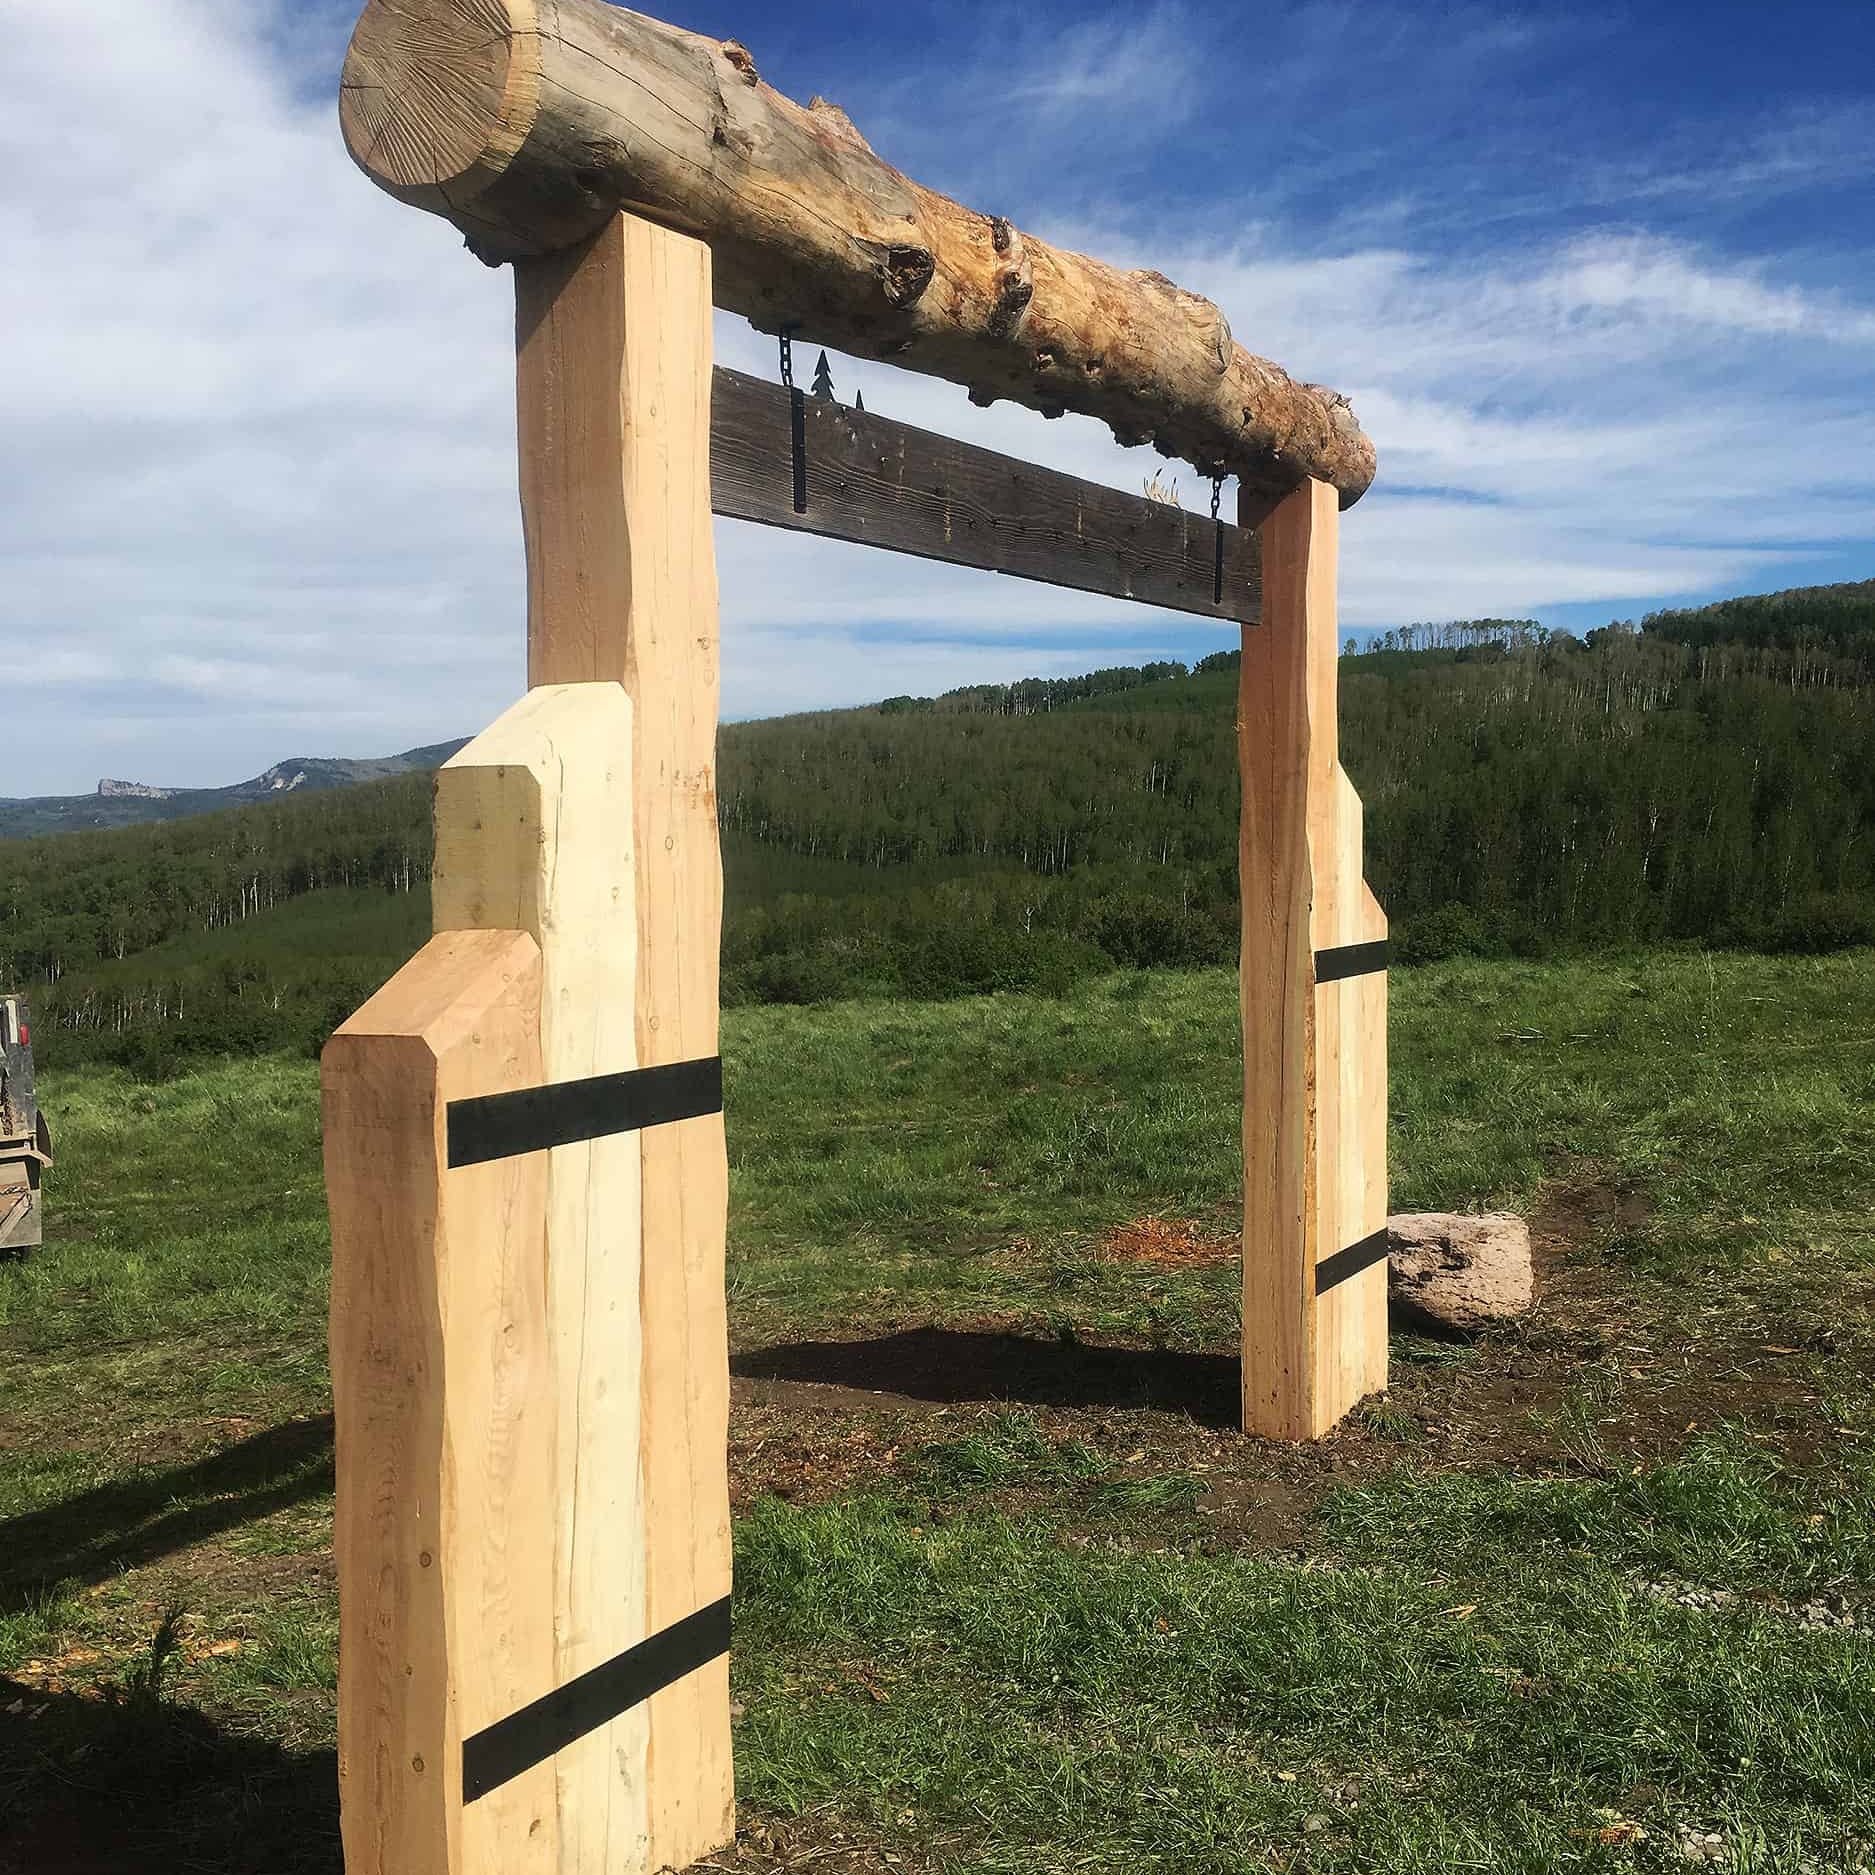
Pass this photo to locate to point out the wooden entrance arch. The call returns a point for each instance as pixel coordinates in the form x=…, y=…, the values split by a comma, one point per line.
x=524, y=1146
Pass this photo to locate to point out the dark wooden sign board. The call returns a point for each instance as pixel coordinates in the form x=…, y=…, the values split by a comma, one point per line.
x=885, y=484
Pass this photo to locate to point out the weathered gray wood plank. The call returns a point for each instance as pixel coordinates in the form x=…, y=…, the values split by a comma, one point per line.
x=885, y=484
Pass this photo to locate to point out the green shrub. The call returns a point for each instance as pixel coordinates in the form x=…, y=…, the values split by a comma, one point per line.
x=1823, y=922
x=1451, y=931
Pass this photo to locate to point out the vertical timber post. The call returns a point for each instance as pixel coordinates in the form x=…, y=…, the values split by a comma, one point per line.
x=1313, y=990
x=441, y=1370
x=613, y=345
x=534, y=834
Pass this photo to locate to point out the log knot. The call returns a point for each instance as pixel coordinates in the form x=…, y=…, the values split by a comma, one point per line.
x=1012, y=284
x=1014, y=290
x=906, y=274
x=743, y=61
x=1223, y=339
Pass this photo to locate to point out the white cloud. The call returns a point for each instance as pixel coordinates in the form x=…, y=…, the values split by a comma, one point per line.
x=257, y=478
x=1801, y=148
x=257, y=464
x=1617, y=419
x=1657, y=282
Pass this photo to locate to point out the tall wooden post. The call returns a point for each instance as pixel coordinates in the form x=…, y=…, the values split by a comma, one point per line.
x=614, y=359
x=1313, y=990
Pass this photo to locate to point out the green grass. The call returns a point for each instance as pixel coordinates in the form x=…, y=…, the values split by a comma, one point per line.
x=1103, y=1708
x=880, y=1150
x=1540, y=1607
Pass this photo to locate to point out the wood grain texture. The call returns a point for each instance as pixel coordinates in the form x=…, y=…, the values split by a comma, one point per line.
x=443, y=103
x=1315, y=1081
x=1277, y=723
x=587, y=109
x=534, y=833
x=614, y=410
x=440, y=1359
x=885, y=484
x=1351, y=1044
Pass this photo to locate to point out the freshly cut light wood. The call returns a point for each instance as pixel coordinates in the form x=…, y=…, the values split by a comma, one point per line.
x=441, y=1364
x=534, y=833
x=1315, y=1081
x=614, y=394
x=1351, y=1051
x=1277, y=721
x=529, y=122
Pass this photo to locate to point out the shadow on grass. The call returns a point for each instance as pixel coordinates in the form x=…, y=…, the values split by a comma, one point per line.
x=134, y=1520
x=950, y=1366
x=135, y=1786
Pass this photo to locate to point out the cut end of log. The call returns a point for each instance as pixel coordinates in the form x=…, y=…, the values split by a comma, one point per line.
x=438, y=95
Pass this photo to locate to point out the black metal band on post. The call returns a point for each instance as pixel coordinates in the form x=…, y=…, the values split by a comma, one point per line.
x=1351, y=960
x=532, y=1119
x=1351, y=1261
x=502, y=1751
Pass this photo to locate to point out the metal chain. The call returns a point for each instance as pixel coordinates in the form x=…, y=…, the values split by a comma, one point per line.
x=797, y=418
x=1217, y=549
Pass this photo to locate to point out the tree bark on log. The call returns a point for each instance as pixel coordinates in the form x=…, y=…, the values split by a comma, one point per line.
x=527, y=123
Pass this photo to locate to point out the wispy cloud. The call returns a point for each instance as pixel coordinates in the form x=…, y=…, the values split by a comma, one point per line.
x=1634, y=277
x=1086, y=102
x=1615, y=418
x=1149, y=62
x=1800, y=148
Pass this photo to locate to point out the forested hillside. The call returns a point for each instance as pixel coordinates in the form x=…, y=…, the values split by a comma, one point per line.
x=1708, y=778
x=1838, y=620
x=1562, y=795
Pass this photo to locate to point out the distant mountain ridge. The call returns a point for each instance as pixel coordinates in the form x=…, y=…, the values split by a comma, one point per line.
x=124, y=803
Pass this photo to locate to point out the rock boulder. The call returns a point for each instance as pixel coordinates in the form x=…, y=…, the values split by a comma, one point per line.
x=1459, y=1273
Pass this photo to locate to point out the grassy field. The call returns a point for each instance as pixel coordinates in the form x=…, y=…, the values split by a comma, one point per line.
x=1011, y=1593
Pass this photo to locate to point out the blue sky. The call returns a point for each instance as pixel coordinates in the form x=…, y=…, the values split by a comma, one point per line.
x=1596, y=277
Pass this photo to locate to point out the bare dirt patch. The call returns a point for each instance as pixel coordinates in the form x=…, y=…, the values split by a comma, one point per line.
x=1170, y=1243
x=822, y=1841
x=1605, y=1373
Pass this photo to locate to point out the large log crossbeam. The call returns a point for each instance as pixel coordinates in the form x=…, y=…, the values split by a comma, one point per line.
x=528, y=123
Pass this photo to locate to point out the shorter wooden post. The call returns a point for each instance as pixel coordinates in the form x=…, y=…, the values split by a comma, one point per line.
x=444, y=1413
x=490, y=1346
x=1313, y=990
x=534, y=830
